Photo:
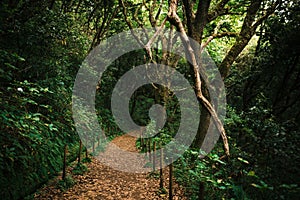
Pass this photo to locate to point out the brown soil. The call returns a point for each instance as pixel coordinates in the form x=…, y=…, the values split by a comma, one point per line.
x=102, y=182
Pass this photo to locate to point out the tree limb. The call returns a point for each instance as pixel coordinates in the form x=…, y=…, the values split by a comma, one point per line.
x=217, y=35
x=200, y=20
x=219, y=10
x=242, y=40
x=159, y=10
x=121, y=3
x=150, y=42
x=248, y=30
x=176, y=21
x=269, y=11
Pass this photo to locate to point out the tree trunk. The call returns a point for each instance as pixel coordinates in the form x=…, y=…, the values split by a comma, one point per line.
x=203, y=125
x=79, y=153
x=196, y=66
x=202, y=129
x=65, y=162
x=195, y=31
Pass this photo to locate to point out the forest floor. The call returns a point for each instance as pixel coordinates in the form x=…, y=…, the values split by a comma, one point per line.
x=105, y=183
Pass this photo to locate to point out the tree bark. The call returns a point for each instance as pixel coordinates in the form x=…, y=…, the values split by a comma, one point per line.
x=203, y=126
x=195, y=25
x=249, y=27
x=195, y=22
x=176, y=21
x=195, y=31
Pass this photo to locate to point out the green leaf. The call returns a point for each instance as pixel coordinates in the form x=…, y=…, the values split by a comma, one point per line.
x=251, y=173
x=243, y=160
x=10, y=65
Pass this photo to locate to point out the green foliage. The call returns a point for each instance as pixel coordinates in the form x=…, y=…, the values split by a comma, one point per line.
x=270, y=70
x=191, y=172
x=79, y=169
x=42, y=45
x=260, y=149
x=162, y=191
x=86, y=160
x=153, y=174
x=268, y=147
x=264, y=124
x=66, y=183
x=40, y=51
x=33, y=150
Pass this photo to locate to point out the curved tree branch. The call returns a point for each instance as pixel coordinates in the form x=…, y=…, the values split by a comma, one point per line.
x=176, y=21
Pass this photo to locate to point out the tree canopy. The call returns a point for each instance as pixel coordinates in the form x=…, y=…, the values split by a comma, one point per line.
x=254, y=44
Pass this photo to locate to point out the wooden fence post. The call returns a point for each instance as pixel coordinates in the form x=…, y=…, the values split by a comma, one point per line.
x=154, y=155
x=86, y=153
x=201, y=191
x=142, y=141
x=65, y=162
x=149, y=148
x=94, y=145
x=146, y=147
x=79, y=153
x=161, y=177
x=171, y=180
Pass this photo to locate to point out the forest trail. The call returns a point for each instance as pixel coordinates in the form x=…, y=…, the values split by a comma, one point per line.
x=105, y=183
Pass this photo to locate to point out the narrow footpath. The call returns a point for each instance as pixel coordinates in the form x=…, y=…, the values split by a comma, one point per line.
x=105, y=183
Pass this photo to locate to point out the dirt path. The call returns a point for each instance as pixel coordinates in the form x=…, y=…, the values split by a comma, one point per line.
x=102, y=182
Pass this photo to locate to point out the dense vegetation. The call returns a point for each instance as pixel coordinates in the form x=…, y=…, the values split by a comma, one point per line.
x=255, y=44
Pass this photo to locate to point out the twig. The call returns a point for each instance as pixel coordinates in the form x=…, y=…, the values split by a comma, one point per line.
x=150, y=42
x=121, y=3
x=217, y=35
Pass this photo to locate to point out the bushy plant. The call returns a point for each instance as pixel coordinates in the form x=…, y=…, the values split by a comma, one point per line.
x=66, y=183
